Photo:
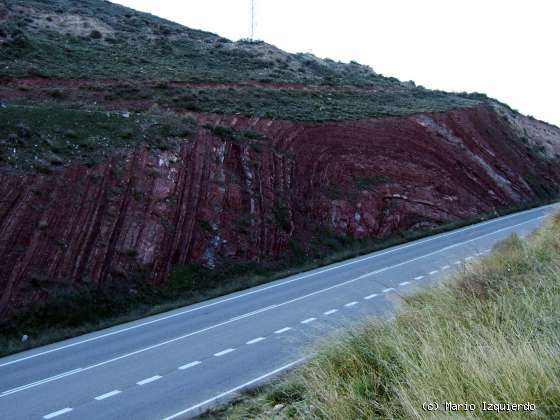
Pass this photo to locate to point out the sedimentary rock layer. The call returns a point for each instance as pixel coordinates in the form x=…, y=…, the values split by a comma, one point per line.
x=211, y=199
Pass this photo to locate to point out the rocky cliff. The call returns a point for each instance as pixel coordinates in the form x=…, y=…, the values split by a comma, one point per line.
x=212, y=199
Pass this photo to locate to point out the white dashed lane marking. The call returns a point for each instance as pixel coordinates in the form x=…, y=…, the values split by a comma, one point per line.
x=389, y=289
x=255, y=340
x=434, y=272
x=445, y=267
x=371, y=296
x=108, y=395
x=404, y=283
x=282, y=330
x=332, y=311
x=308, y=320
x=457, y=263
x=189, y=365
x=148, y=380
x=57, y=413
x=223, y=352
x=469, y=258
x=350, y=304
x=418, y=278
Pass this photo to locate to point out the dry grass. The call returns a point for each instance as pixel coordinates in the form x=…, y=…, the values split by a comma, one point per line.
x=490, y=334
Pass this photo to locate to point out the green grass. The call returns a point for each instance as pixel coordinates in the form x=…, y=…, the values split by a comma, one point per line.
x=489, y=334
x=300, y=105
x=143, y=47
x=68, y=313
x=154, y=52
x=284, y=104
x=43, y=137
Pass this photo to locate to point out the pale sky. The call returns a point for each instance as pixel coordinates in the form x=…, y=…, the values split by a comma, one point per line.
x=507, y=49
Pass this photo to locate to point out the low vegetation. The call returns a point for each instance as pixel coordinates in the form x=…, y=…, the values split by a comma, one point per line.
x=489, y=334
x=93, y=39
x=301, y=105
x=98, y=41
x=43, y=137
x=274, y=103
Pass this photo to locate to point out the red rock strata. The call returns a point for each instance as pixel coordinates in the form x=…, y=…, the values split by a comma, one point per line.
x=210, y=199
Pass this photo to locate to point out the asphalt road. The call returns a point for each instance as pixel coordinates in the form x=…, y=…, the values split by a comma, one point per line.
x=177, y=364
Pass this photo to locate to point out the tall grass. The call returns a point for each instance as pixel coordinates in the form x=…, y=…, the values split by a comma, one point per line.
x=489, y=334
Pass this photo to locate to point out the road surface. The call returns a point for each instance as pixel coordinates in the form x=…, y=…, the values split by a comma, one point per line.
x=179, y=363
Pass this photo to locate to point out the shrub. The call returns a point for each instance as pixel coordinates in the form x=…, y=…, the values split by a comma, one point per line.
x=95, y=34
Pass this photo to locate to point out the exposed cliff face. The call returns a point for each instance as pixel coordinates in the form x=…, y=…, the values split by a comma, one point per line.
x=209, y=199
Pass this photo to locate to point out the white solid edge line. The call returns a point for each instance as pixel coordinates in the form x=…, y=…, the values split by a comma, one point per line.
x=255, y=340
x=224, y=352
x=344, y=283
x=332, y=311
x=371, y=296
x=108, y=395
x=40, y=382
x=264, y=288
x=282, y=330
x=189, y=365
x=148, y=380
x=57, y=413
x=308, y=320
x=237, y=388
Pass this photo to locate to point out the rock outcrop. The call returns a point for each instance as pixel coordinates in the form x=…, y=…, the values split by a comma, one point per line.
x=209, y=199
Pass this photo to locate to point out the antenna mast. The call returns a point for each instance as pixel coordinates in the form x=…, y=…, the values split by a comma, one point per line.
x=252, y=20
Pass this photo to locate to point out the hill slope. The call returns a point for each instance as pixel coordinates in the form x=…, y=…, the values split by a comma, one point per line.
x=100, y=40
x=136, y=152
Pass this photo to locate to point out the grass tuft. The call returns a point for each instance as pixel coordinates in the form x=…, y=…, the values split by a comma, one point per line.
x=489, y=334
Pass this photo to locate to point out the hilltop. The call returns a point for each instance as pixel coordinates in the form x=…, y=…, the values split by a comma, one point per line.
x=92, y=39
x=144, y=163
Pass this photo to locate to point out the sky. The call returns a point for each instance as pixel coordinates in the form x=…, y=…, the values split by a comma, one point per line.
x=507, y=49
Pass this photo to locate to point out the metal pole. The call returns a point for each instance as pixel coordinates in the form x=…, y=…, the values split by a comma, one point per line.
x=252, y=20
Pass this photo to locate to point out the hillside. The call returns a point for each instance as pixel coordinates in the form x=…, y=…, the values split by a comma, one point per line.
x=95, y=39
x=142, y=161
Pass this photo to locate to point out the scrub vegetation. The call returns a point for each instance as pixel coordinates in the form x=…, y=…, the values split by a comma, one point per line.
x=93, y=39
x=97, y=41
x=43, y=137
x=490, y=333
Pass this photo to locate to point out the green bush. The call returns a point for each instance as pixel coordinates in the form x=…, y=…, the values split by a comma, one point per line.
x=95, y=35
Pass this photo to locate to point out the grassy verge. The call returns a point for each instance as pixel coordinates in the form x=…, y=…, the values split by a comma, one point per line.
x=71, y=313
x=489, y=334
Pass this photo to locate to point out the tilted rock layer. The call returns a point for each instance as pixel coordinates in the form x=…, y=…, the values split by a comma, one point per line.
x=209, y=200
